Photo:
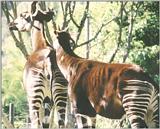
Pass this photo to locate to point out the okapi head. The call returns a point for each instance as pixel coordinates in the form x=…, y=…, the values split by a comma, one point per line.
x=65, y=40
x=25, y=20
x=21, y=23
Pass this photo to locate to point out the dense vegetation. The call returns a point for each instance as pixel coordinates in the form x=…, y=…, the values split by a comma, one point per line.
x=123, y=32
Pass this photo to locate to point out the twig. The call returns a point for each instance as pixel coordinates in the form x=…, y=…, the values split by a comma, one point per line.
x=71, y=15
x=66, y=22
x=82, y=22
x=62, y=8
x=130, y=29
x=120, y=32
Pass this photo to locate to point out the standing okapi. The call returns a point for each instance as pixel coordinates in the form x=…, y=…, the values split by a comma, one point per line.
x=110, y=90
x=44, y=83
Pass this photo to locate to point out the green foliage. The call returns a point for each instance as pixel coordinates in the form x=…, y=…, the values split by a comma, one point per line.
x=145, y=46
x=12, y=87
x=148, y=59
x=149, y=32
x=124, y=21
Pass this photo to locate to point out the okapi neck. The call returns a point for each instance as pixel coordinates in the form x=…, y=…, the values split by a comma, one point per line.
x=38, y=37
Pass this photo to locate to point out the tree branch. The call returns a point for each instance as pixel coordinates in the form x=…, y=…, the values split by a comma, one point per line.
x=62, y=8
x=130, y=29
x=65, y=21
x=71, y=15
x=13, y=5
x=82, y=21
x=120, y=32
x=96, y=35
x=100, y=29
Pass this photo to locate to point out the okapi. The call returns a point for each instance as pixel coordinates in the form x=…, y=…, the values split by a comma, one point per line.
x=110, y=90
x=44, y=83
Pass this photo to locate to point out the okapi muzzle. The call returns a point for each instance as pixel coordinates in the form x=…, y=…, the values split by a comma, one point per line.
x=21, y=23
x=12, y=26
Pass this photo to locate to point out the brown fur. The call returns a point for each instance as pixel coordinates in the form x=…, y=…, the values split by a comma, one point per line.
x=97, y=81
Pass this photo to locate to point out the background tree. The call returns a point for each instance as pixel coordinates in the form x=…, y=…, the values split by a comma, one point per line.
x=119, y=32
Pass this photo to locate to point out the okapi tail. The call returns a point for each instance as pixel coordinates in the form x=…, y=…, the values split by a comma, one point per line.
x=47, y=110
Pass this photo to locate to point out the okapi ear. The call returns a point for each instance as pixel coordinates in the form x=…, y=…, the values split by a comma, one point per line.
x=56, y=32
x=51, y=10
x=66, y=29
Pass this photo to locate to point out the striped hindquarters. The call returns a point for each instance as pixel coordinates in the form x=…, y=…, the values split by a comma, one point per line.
x=37, y=87
x=58, y=87
x=140, y=101
x=59, y=94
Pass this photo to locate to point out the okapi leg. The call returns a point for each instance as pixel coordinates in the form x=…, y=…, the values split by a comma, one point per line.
x=35, y=117
x=84, y=121
x=93, y=120
x=81, y=122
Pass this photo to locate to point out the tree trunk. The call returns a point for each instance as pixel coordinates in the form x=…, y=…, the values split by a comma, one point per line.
x=87, y=38
x=129, y=38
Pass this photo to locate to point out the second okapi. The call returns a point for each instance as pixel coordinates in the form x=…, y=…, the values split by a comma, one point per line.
x=44, y=83
x=110, y=90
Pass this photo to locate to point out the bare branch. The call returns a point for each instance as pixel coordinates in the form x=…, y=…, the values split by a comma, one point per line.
x=14, y=8
x=73, y=7
x=85, y=14
x=130, y=29
x=54, y=24
x=42, y=5
x=66, y=21
x=120, y=32
x=62, y=8
x=48, y=32
x=100, y=29
x=97, y=33
x=71, y=15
